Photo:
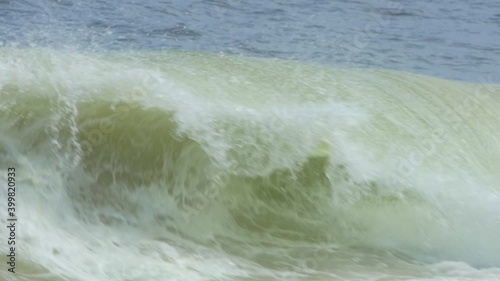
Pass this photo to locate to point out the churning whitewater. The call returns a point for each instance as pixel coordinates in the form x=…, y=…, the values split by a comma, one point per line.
x=193, y=166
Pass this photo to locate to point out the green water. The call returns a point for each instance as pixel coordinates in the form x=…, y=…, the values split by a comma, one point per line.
x=193, y=166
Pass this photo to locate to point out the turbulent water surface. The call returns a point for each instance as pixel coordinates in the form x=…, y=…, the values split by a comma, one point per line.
x=145, y=155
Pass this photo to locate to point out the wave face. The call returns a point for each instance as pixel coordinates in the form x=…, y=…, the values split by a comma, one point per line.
x=191, y=166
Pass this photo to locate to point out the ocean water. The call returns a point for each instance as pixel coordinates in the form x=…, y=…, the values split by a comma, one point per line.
x=264, y=140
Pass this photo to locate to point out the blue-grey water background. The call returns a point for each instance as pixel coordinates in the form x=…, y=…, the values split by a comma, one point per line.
x=454, y=39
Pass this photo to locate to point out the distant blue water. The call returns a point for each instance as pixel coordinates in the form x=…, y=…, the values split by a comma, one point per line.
x=454, y=39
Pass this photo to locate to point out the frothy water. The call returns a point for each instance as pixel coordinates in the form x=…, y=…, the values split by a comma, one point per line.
x=179, y=165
